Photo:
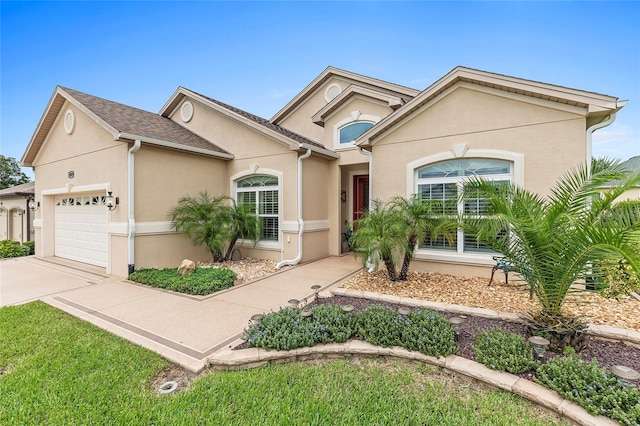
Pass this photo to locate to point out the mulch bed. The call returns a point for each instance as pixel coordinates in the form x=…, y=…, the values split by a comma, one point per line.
x=608, y=353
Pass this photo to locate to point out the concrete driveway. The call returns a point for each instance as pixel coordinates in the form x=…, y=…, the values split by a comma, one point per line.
x=184, y=329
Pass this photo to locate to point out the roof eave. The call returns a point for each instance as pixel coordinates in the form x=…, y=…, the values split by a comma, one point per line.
x=177, y=146
x=329, y=71
x=394, y=102
x=59, y=97
x=596, y=104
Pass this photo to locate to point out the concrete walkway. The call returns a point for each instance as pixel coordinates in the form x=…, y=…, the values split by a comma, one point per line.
x=184, y=329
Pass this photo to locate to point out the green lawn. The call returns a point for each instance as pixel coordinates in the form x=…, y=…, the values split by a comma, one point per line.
x=59, y=371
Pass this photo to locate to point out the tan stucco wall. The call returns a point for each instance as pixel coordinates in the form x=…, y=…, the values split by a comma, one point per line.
x=551, y=141
x=632, y=194
x=300, y=120
x=164, y=176
x=367, y=107
x=315, y=245
x=457, y=269
x=166, y=251
x=96, y=160
x=14, y=219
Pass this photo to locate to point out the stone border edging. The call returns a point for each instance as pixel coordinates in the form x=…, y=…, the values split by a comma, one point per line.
x=601, y=331
x=229, y=359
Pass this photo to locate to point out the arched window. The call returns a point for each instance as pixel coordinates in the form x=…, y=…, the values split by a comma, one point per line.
x=261, y=191
x=350, y=132
x=442, y=182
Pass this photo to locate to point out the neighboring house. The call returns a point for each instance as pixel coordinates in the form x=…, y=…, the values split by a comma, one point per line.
x=15, y=215
x=633, y=165
x=310, y=170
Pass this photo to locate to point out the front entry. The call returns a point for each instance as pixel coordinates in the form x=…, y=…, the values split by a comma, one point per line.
x=360, y=195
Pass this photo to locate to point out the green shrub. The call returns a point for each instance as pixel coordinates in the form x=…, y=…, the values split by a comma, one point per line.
x=31, y=245
x=504, y=351
x=330, y=324
x=282, y=330
x=380, y=326
x=592, y=387
x=430, y=333
x=422, y=330
x=202, y=281
x=10, y=248
x=286, y=329
x=617, y=278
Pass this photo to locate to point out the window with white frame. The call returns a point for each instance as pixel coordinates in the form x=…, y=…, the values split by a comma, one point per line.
x=443, y=181
x=349, y=133
x=261, y=191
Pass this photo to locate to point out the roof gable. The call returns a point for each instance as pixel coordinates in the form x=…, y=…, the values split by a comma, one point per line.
x=405, y=93
x=123, y=122
x=24, y=189
x=294, y=140
x=595, y=105
x=394, y=102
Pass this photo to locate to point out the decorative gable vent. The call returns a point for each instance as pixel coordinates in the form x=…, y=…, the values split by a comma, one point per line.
x=332, y=91
x=69, y=121
x=186, y=112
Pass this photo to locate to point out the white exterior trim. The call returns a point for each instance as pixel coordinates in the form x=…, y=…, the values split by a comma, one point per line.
x=516, y=158
x=457, y=152
x=355, y=117
x=291, y=226
x=254, y=169
x=69, y=188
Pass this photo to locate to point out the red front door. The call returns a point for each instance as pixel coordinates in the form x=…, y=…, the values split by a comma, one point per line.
x=360, y=195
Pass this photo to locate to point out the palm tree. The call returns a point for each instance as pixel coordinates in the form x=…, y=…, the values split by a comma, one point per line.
x=390, y=232
x=423, y=219
x=380, y=235
x=245, y=225
x=554, y=241
x=206, y=220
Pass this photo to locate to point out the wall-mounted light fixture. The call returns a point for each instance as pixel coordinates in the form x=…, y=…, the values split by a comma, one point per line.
x=34, y=205
x=111, y=202
x=343, y=196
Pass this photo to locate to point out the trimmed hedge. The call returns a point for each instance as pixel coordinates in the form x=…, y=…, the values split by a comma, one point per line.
x=10, y=248
x=422, y=330
x=202, y=281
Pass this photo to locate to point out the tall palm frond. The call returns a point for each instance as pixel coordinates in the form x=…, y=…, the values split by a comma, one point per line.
x=554, y=241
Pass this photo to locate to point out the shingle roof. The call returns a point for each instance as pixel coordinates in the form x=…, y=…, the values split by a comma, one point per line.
x=263, y=122
x=633, y=164
x=24, y=189
x=127, y=119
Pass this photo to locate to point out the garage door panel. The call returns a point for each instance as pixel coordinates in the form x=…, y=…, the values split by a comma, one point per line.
x=81, y=229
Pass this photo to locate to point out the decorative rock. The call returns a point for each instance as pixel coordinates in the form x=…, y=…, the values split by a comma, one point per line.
x=187, y=267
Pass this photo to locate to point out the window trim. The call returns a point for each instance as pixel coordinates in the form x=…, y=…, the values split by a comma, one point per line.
x=367, y=118
x=460, y=153
x=255, y=170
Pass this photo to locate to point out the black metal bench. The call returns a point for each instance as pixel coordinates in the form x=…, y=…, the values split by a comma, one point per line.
x=504, y=265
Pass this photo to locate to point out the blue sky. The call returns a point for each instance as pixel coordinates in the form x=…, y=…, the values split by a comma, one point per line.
x=258, y=55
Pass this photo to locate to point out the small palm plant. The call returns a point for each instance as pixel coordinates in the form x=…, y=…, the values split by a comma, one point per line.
x=244, y=225
x=390, y=232
x=380, y=235
x=423, y=219
x=213, y=222
x=554, y=241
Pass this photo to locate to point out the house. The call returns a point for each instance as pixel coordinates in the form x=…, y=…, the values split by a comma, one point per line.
x=15, y=215
x=633, y=165
x=107, y=173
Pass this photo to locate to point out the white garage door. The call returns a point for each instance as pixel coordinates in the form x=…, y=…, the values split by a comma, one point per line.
x=81, y=229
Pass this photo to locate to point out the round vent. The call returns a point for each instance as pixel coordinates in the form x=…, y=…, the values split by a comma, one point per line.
x=69, y=121
x=186, y=112
x=332, y=91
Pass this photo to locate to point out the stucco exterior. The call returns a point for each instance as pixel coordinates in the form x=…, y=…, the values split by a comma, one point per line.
x=196, y=143
x=16, y=219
